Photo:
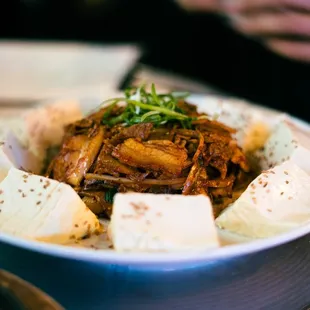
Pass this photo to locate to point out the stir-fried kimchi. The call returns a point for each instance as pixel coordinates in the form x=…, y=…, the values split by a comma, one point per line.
x=150, y=143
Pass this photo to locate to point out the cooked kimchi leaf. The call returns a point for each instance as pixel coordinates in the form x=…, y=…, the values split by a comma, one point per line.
x=98, y=202
x=140, y=131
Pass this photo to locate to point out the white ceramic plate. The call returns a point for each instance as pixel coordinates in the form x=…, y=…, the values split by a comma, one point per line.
x=97, y=248
x=32, y=70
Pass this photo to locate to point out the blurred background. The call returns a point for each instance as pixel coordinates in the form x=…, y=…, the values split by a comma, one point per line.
x=188, y=45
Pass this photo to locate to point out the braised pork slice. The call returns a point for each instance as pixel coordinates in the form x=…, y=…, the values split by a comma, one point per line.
x=107, y=164
x=155, y=155
x=77, y=154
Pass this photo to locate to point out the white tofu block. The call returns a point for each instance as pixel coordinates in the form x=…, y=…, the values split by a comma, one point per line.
x=151, y=222
x=287, y=142
x=275, y=202
x=42, y=209
x=13, y=154
x=252, y=125
x=43, y=127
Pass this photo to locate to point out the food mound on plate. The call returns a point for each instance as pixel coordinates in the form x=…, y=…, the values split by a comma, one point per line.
x=150, y=143
x=176, y=178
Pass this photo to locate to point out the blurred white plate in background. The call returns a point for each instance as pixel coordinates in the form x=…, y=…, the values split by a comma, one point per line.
x=40, y=70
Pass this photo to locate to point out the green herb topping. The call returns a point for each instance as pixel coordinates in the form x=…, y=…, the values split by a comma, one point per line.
x=147, y=107
x=109, y=195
